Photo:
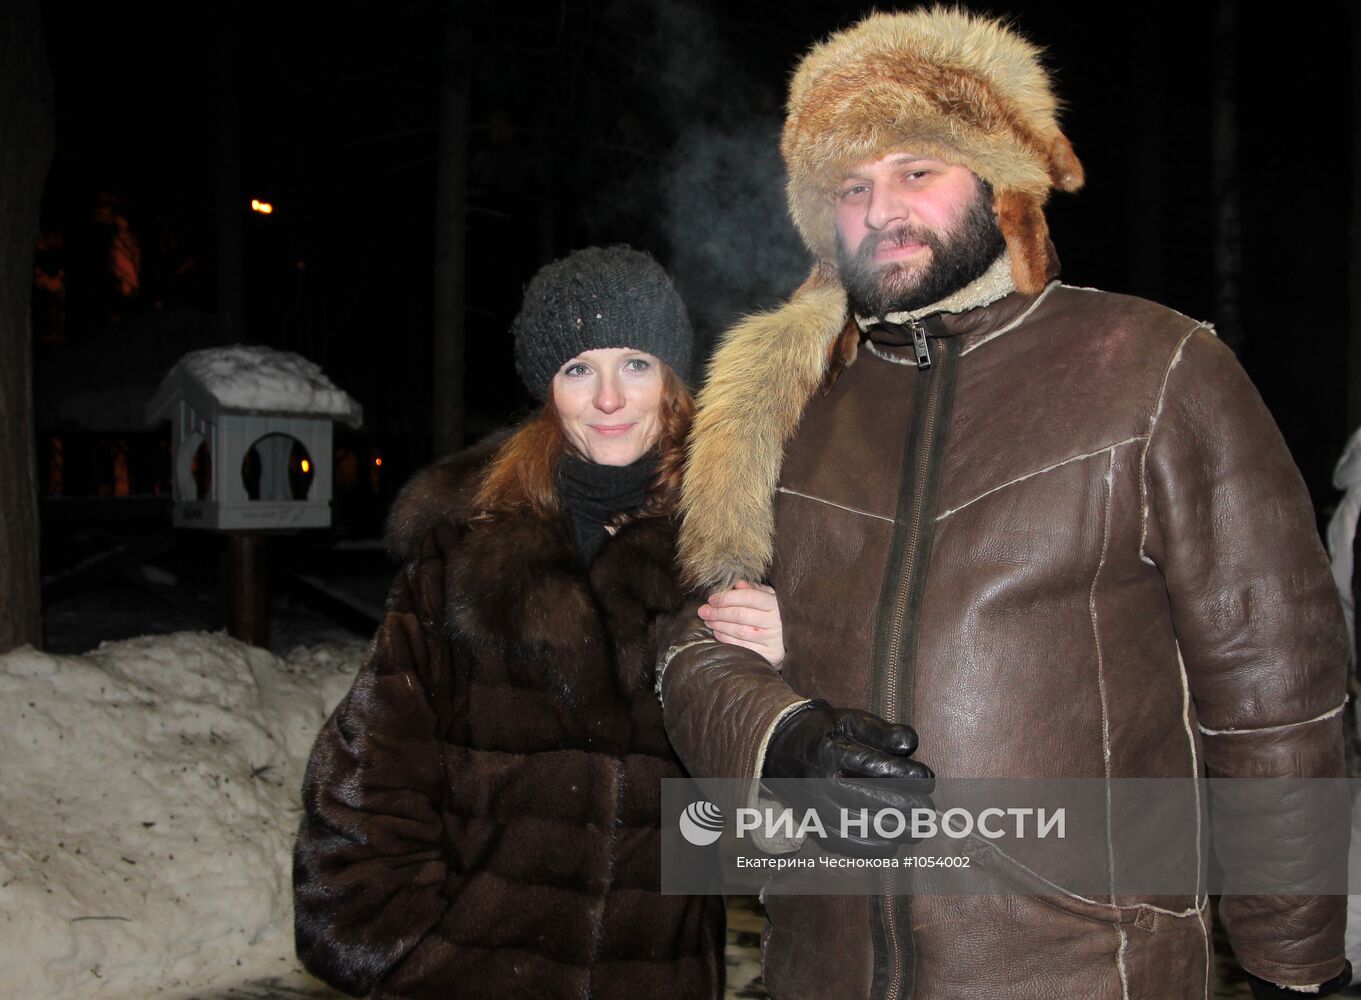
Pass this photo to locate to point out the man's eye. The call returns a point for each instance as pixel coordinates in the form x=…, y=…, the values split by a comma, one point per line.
x=852, y=192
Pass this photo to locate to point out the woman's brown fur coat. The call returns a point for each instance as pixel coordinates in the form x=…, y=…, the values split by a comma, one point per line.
x=482, y=809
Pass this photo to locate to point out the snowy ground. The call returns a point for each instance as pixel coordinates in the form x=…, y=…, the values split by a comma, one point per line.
x=150, y=792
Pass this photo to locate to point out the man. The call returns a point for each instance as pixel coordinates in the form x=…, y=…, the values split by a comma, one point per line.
x=1052, y=530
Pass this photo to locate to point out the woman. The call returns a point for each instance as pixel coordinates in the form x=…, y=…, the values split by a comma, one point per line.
x=482, y=810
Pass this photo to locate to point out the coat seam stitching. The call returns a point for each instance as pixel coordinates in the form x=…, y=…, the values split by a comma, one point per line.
x=1038, y=472
x=1205, y=936
x=671, y=653
x=1120, y=962
x=1331, y=713
x=1121, y=907
x=1195, y=758
x=1100, y=666
x=1014, y=323
x=873, y=349
x=833, y=503
x=1180, y=914
x=1148, y=440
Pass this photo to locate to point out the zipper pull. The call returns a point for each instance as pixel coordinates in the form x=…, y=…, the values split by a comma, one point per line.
x=919, y=344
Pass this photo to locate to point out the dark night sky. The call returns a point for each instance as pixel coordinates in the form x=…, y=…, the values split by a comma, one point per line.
x=654, y=124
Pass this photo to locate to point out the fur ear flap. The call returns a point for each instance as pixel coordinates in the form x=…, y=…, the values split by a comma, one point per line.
x=1021, y=218
x=1065, y=169
x=843, y=352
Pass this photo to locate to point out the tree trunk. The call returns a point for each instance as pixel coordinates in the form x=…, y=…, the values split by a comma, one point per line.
x=25, y=153
x=451, y=223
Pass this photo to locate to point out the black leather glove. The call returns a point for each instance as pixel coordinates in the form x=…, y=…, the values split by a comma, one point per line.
x=1263, y=990
x=842, y=746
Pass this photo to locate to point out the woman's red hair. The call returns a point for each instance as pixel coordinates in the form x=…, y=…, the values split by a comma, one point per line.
x=522, y=476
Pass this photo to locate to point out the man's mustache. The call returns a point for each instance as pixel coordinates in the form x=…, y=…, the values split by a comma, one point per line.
x=897, y=236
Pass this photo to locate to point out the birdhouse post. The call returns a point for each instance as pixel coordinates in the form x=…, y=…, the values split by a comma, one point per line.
x=251, y=452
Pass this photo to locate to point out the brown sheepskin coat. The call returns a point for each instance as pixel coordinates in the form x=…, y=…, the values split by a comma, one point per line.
x=482, y=809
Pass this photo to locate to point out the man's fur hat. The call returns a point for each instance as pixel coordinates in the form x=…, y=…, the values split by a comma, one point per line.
x=944, y=83
x=941, y=82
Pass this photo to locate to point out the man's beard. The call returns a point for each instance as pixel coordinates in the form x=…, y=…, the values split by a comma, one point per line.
x=957, y=258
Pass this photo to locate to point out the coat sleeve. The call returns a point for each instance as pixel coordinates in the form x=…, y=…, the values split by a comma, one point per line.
x=1259, y=631
x=721, y=703
x=1355, y=590
x=369, y=865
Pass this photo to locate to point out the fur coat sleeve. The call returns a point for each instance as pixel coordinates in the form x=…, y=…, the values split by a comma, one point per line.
x=370, y=851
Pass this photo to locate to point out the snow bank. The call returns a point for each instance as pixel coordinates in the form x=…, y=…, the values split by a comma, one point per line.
x=150, y=794
x=265, y=380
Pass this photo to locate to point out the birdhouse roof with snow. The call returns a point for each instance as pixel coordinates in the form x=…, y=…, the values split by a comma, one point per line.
x=253, y=380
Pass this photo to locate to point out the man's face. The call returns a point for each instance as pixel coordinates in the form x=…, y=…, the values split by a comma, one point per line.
x=911, y=230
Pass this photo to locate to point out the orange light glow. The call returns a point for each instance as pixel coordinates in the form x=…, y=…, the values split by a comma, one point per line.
x=306, y=465
x=120, y=470
x=378, y=462
x=263, y=207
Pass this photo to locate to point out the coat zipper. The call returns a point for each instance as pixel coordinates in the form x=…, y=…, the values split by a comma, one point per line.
x=901, y=595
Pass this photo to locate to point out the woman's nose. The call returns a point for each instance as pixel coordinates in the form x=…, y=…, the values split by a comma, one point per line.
x=608, y=395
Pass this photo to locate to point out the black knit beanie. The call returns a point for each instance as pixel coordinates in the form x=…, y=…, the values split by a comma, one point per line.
x=599, y=297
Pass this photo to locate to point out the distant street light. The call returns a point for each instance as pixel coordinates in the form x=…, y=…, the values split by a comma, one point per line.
x=263, y=207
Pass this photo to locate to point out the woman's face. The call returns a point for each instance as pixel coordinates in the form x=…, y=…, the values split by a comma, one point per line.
x=609, y=401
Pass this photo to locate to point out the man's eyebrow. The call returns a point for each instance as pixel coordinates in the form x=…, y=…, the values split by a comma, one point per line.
x=898, y=160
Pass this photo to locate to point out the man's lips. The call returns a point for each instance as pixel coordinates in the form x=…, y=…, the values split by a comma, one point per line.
x=611, y=430
x=891, y=250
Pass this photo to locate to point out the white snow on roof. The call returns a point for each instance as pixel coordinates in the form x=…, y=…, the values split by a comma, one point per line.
x=264, y=380
x=151, y=793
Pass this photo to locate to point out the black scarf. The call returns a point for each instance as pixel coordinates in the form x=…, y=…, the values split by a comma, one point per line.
x=592, y=494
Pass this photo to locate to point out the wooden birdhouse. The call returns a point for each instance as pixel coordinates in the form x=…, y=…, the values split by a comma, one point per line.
x=251, y=438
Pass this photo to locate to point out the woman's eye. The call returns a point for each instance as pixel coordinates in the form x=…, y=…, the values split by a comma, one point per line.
x=637, y=365
x=575, y=370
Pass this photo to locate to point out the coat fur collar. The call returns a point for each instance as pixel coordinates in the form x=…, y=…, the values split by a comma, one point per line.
x=439, y=494
x=516, y=586
x=759, y=381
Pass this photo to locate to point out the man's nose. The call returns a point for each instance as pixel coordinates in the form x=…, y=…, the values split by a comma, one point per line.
x=886, y=208
x=609, y=395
